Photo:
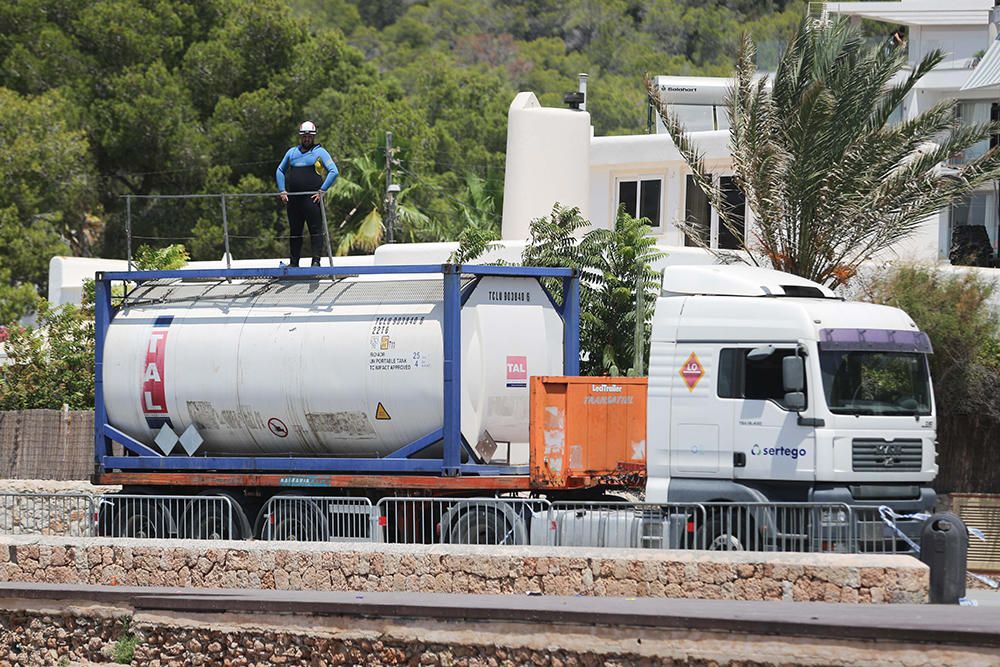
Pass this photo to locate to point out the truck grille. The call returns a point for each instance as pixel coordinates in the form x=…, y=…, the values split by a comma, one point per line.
x=874, y=455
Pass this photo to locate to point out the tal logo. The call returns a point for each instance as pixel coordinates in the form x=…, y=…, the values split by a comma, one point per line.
x=517, y=371
x=692, y=371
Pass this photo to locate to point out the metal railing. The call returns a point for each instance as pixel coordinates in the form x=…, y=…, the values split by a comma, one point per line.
x=63, y=514
x=496, y=521
x=623, y=525
x=205, y=517
x=873, y=535
x=318, y=519
x=225, y=216
x=768, y=527
x=778, y=527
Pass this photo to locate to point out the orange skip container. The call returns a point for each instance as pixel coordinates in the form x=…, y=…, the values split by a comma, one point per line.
x=588, y=431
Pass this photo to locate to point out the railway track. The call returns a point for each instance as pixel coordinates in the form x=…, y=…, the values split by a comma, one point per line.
x=911, y=624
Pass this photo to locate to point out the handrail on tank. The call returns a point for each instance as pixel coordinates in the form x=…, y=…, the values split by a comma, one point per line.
x=142, y=457
x=225, y=215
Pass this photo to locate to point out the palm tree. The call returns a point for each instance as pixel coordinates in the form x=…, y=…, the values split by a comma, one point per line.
x=829, y=180
x=362, y=188
x=481, y=204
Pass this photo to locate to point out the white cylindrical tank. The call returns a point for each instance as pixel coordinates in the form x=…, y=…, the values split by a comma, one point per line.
x=348, y=368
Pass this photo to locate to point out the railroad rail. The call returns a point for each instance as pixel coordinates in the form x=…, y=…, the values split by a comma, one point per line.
x=916, y=624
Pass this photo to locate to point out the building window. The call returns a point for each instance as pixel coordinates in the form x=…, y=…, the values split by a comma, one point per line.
x=972, y=113
x=641, y=198
x=697, y=117
x=698, y=213
x=731, y=238
x=755, y=380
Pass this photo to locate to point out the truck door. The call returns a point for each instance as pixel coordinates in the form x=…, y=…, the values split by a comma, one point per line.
x=768, y=442
x=701, y=437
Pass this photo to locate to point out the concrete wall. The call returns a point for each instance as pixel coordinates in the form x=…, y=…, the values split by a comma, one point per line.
x=466, y=569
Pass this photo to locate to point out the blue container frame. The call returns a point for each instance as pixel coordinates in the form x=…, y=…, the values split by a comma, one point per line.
x=146, y=459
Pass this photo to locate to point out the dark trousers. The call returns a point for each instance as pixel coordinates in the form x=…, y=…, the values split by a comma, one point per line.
x=303, y=210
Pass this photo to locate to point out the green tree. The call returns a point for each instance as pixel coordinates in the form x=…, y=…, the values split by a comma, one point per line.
x=954, y=310
x=47, y=175
x=50, y=363
x=362, y=186
x=613, y=264
x=258, y=226
x=23, y=270
x=481, y=204
x=829, y=179
x=624, y=256
x=48, y=194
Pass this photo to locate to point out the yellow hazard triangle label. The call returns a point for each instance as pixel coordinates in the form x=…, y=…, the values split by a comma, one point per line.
x=381, y=413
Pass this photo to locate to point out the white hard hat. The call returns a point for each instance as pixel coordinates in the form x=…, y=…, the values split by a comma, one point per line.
x=307, y=127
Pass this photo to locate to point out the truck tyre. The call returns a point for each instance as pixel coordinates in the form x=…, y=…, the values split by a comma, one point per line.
x=484, y=525
x=297, y=520
x=724, y=530
x=143, y=518
x=214, y=520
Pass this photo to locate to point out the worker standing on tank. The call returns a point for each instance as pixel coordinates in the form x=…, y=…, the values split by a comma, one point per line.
x=307, y=167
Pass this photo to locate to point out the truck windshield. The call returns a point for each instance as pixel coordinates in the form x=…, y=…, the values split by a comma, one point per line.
x=875, y=383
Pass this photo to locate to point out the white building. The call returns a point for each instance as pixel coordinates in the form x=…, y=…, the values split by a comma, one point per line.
x=547, y=148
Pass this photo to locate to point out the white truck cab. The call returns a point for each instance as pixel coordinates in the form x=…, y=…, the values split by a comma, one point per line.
x=764, y=386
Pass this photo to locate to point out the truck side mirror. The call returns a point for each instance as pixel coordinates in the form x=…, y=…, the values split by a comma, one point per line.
x=793, y=374
x=795, y=401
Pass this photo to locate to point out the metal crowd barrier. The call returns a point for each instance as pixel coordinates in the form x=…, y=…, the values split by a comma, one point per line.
x=318, y=519
x=771, y=527
x=777, y=527
x=63, y=514
x=497, y=521
x=623, y=525
x=873, y=535
x=205, y=517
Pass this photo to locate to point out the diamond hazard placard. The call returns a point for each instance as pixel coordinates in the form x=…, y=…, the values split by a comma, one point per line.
x=692, y=371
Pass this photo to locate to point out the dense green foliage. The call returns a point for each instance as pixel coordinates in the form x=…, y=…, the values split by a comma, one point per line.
x=953, y=309
x=51, y=363
x=831, y=180
x=614, y=266
x=102, y=98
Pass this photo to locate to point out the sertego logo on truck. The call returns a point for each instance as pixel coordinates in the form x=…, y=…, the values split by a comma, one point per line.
x=790, y=452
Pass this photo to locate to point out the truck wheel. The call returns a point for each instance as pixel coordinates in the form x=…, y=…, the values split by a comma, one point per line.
x=484, y=525
x=205, y=519
x=724, y=531
x=298, y=520
x=143, y=518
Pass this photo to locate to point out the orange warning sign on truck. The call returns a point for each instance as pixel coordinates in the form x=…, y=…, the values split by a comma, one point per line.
x=587, y=430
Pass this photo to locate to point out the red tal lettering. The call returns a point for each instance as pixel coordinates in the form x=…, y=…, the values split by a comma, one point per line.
x=153, y=392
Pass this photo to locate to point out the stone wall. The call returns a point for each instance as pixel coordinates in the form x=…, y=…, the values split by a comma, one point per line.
x=466, y=569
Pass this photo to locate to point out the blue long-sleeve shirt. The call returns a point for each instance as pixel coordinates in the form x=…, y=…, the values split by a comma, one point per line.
x=305, y=168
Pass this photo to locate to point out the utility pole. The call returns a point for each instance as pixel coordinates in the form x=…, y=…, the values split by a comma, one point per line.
x=390, y=190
